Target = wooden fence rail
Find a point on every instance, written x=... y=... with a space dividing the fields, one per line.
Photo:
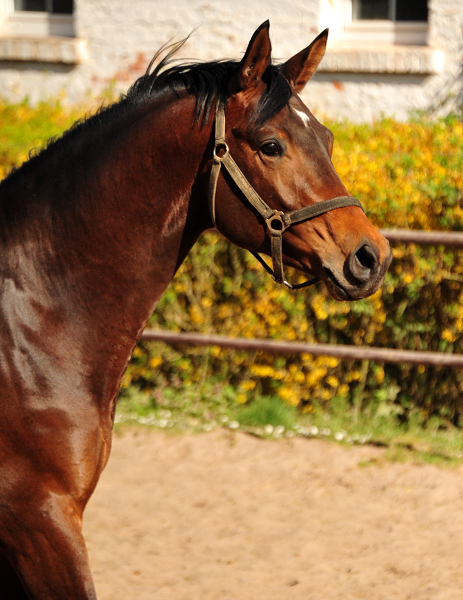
x=386 y=355
x=450 y=239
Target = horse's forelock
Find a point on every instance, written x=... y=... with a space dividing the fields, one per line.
x=275 y=97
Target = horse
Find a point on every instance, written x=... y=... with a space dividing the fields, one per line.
x=93 y=229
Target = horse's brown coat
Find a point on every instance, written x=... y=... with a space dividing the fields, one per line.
x=88 y=243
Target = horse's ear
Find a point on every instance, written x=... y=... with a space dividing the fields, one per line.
x=255 y=61
x=300 y=68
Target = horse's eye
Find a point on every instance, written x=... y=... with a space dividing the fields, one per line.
x=270 y=149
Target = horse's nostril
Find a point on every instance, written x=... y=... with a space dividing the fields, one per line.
x=363 y=262
x=366 y=257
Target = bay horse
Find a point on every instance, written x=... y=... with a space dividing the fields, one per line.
x=92 y=230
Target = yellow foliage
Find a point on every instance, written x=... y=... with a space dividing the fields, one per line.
x=406 y=175
x=290 y=395
x=155 y=361
x=247 y=385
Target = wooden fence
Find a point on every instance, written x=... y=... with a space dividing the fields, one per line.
x=386 y=355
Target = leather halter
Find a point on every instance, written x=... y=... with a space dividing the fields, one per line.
x=276 y=220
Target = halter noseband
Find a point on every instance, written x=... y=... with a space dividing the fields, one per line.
x=276 y=220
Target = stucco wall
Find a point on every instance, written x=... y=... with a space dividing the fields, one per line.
x=367 y=96
x=121 y=37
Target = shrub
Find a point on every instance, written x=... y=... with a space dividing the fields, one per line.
x=24 y=128
x=406 y=175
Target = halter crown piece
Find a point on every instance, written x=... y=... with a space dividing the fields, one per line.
x=276 y=220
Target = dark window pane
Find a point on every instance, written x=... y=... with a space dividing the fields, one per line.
x=412 y=10
x=37 y=5
x=62 y=6
x=370 y=9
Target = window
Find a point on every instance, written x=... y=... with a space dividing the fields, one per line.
x=60 y=7
x=40 y=31
x=393 y=10
x=37 y=18
x=379 y=36
x=402 y=22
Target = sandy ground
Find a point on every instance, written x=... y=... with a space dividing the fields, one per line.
x=222 y=516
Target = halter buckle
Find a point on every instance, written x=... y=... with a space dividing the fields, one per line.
x=275 y=222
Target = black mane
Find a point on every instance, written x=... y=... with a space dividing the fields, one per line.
x=207 y=81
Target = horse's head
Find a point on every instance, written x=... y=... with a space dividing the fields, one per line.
x=285 y=155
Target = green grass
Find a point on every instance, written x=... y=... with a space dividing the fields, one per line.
x=266 y=410
x=196 y=409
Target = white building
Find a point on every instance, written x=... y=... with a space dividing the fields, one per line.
x=386 y=57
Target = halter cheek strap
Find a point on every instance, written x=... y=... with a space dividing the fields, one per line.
x=276 y=220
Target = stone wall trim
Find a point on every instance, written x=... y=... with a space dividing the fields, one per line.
x=406 y=60
x=53 y=49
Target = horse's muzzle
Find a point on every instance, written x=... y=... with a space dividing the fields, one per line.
x=362 y=273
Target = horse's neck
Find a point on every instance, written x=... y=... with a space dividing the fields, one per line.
x=142 y=209
x=141 y=205
x=103 y=254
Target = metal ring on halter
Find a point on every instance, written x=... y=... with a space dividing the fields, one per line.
x=278 y=217
x=223 y=145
